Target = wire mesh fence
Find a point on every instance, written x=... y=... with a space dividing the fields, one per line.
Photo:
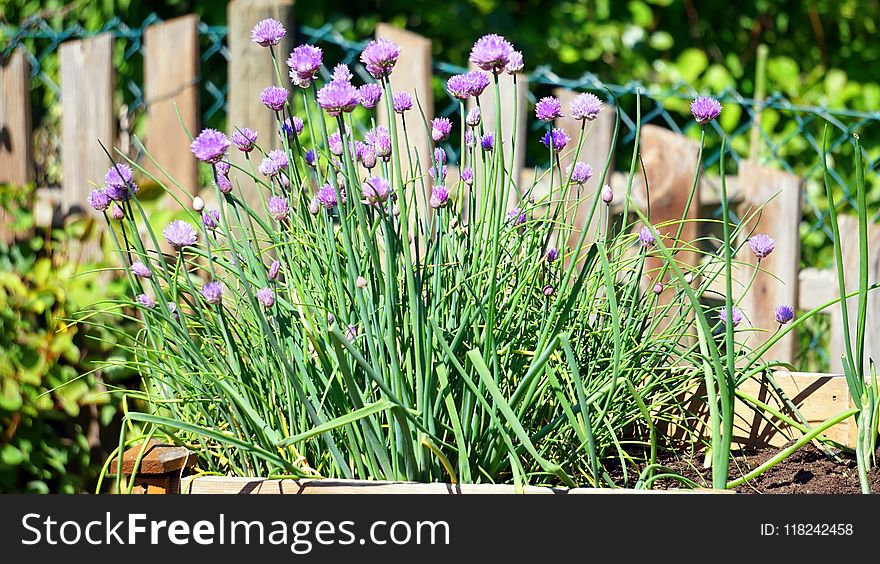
x=773 y=130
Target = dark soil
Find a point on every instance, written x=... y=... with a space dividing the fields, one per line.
x=807 y=471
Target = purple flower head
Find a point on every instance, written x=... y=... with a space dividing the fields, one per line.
x=547 y=290
x=274 y=269
x=119 y=185
x=736 y=316
x=402 y=102
x=473 y=117
x=361 y=282
x=607 y=194
x=245 y=139
x=274 y=163
x=463 y=86
x=491 y=53
x=444 y=170
x=210 y=146
x=141 y=270
x=658 y=288
x=172 y=308
x=341 y=72
x=267 y=32
x=180 y=234
x=579 y=172
x=327 y=197
x=146 y=301
x=783 y=314
x=375 y=190
x=439 y=197
x=762 y=245
x=279 y=209
x=369 y=95
x=314 y=206
x=379 y=57
x=556 y=139
x=441 y=127
x=351 y=332
x=467 y=176
x=266 y=297
x=514 y=63
x=585 y=107
x=223 y=183
x=304 y=63
x=99 y=199
x=705 y=109
x=116 y=212
x=338 y=96
x=310 y=157
x=380 y=140
x=552 y=254
x=517 y=216
x=222 y=168
x=367 y=156
x=291 y=128
x=439 y=155
x=646 y=236
x=213 y=292
x=274 y=98
x=487 y=142
x=211 y=219
x=334 y=143
x=470 y=139
x=548 y=109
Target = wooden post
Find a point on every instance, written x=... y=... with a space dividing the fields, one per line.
x=250 y=71
x=88 y=116
x=160 y=469
x=171 y=74
x=776 y=283
x=16 y=153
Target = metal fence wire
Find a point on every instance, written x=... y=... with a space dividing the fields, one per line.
x=787 y=135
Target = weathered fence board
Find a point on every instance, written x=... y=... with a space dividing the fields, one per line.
x=250 y=71
x=775 y=282
x=171 y=74
x=87 y=86
x=16 y=154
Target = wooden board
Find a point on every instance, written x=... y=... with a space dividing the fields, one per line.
x=158 y=458
x=171 y=75
x=16 y=152
x=776 y=282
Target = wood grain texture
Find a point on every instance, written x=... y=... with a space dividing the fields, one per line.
x=158 y=458
x=250 y=71
x=16 y=148
x=776 y=281
x=171 y=75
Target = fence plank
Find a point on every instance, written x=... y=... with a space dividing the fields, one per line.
x=776 y=283
x=849 y=246
x=250 y=71
x=171 y=73
x=16 y=152
x=87 y=84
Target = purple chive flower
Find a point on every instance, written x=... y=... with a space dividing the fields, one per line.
x=368 y=157
x=222 y=168
x=274 y=98
x=274 y=163
x=210 y=146
x=310 y=157
x=548 y=109
x=783 y=314
x=266 y=297
x=291 y=127
x=441 y=127
x=172 y=308
x=327 y=197
x=547 y=290
x=705 y=109
x=556 y=139
x=141 y=270
x=552 y=254
x=279 y=209
x=473 y=117
x=658 y=288
x=439 y=155
x=491 y=53
x=467 y=176
x=360 y=282
x=470 y=139
x=646 y=236
x=341 y=72
x=338 y=96
x=314 y=206
x=762 y=245
x=267 y=32
x=146 y=301
x=99 y=199
x=379 y=57
x=223 y=183
x=116 y=212
x=180 y=234
x=245 y=139
x=274 y=269
x=402 y=102
x=439 y=197
x=517 y=216
x=369 y=95
x=375 y=190
x=514 y=63
x=607 y=194
x=444 y=170
x=380 y=141
x=487 y=142
x=118 y=183
x=304 y=63
x=334 y=143
x=579 y=172
x=585 y=107
x=351 y=332
x=736 y=316
x=211 y=219
x=213 y=292
x=463 y=86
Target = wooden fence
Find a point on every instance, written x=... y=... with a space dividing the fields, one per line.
x=171 y=78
